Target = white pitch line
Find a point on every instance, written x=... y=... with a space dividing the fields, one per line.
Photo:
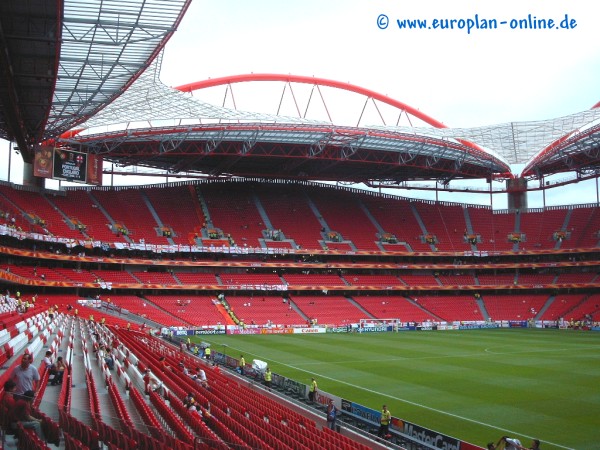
x=409 y=401
x=421 y=405
x=488 y=350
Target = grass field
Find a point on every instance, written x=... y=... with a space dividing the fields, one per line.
x=476 y=385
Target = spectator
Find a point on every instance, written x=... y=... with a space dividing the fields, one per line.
x=47 y=361
x=200 y=377
x=110 y=361
x=8 y=400
x=183 y=369
x=384 y=422
x=25 y=376
x=189 y=400
x=59 y=371
x=163 y=364
x=332 y=412
x=101 y=350
x=151 y=383
x=23 y=414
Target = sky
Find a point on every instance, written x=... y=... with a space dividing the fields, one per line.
x=461 y=77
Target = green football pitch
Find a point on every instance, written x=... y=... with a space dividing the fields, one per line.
x=475 y=385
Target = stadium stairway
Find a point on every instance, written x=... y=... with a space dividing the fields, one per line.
x=157 y=306
x=373 y=220
x=564 y=227
x=482 y=308
x=517 y=229
x=418 y=305
x=101 y=208
x=415 y=212
x=545 y=307
x=52 y=393
x=154 y=214
x=109 y=413
x=201 y=206
x=80 y=391
x=316 y=212
x=261 y=211
x=297 y=309
x=469 y=226
x=360 y=307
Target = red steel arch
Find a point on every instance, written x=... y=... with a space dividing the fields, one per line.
x=310 y=80
x=212 y=82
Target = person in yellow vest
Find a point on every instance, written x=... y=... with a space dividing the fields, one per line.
x=268 y=378
x=207 y=353
x=312 y=390
x=241 y=365
x=103 y=320
x=91 y=318
x=76 y=312
x=384 y=422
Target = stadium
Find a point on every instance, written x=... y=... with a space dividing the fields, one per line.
x=264 y=228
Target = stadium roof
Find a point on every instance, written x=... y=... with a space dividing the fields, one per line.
x=432 y=152
x=82 y=64
x=63 y=61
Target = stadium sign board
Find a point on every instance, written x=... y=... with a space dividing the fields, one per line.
x=70 y=166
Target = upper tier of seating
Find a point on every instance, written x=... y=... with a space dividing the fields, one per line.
x=303 y=214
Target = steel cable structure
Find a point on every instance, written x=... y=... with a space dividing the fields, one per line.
x=86 y=76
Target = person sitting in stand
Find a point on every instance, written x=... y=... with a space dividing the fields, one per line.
x=47 y=361
x=110 y=361
x=8 y=401
x=200 y=377
x=189 y=400
x=59 y=371
x=163 y=364
x=23 y=414
x=151 y=383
